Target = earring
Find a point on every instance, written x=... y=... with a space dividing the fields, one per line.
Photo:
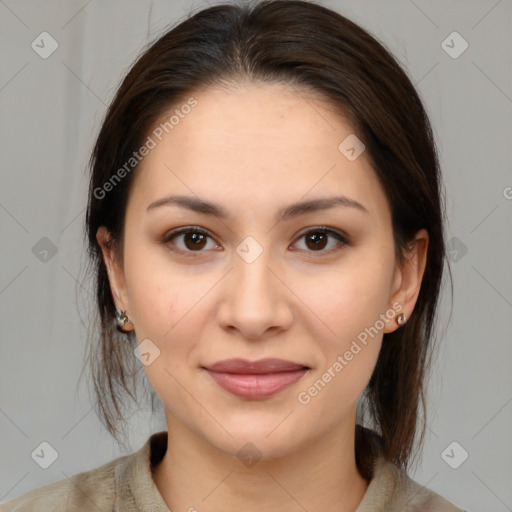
x=121 y=318
x=401 y=319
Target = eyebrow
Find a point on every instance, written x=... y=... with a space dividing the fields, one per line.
x=293 y=210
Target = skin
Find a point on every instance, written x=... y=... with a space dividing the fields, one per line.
x=254 y=150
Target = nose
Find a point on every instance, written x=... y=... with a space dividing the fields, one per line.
x=255 y=298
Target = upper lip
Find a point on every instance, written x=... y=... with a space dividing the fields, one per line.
x=241 y=366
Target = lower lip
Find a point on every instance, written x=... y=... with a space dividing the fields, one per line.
x=255 y=386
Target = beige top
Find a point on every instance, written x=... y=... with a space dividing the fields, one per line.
x=126 y=485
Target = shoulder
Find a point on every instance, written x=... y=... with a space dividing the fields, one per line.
x=390 y=488
x=123 y=484
x=407 y=495
x=93 y=490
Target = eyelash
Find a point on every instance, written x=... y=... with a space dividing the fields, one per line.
x=325 y=230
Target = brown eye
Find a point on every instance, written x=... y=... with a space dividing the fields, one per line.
x=196 y=240
x=316 y=240
x=189 y=240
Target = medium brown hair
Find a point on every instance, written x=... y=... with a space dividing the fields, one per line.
x=313 y=48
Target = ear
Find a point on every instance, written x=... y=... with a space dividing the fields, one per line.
x=408 y=276
x=114 y=269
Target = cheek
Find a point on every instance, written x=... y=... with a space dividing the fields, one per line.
x=162 y=294
x=349 y=297
x=168 y=311
x=161 y=304
x=335 y=390
x=349 y=301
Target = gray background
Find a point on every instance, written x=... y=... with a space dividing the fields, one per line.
x=50 y=113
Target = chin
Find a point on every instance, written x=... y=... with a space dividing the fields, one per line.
x=260 y=436
x=250 y=447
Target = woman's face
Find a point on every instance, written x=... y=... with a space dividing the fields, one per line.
x=264 y=281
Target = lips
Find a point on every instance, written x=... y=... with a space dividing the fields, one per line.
x=255 y=379
x=263 y=366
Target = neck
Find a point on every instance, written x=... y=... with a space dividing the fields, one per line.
x=322 y=476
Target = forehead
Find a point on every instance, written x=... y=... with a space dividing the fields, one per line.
x=258 y=116
x=263 y=142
